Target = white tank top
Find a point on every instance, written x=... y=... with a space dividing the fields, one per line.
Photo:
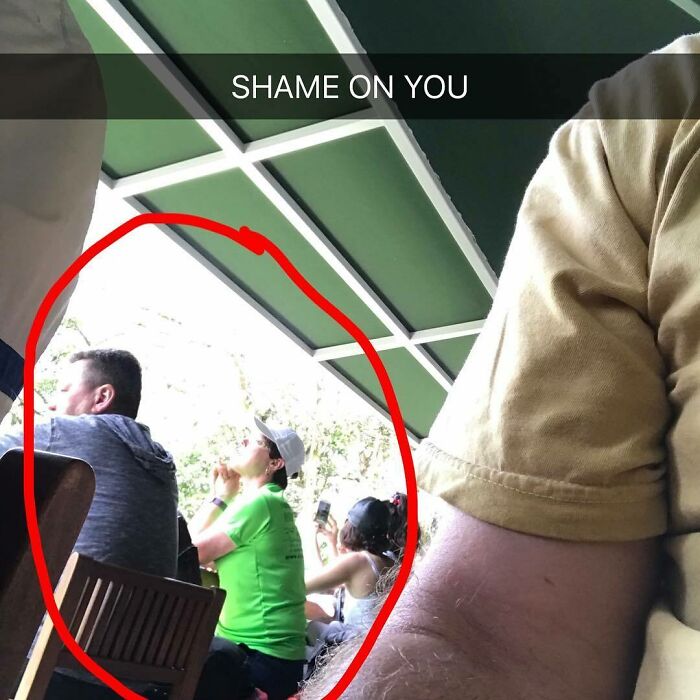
x=360 y=612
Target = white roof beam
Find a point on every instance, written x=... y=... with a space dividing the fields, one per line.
x=429 y=335
x=311 y=135
x=338 y=352
x=455 y=330
x=176 y=173
x=299 y=219
x=254 y=152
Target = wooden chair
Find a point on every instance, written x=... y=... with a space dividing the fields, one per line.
x=136 y=626
x=63 y=492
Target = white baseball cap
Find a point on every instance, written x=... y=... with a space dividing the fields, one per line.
x=289 y=444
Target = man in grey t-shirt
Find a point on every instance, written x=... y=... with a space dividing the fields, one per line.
x=132 y=521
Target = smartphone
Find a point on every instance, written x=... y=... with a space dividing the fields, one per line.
x=322 y=512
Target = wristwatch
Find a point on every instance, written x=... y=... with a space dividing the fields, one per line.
x=219 y=503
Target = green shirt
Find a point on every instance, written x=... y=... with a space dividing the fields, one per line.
x=263 y=576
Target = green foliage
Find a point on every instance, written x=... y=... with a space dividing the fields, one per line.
x=193 y=482
x=69 y=338
x=194 y=468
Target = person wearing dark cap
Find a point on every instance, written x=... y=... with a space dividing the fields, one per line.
x=371 y=541
x=257 y=550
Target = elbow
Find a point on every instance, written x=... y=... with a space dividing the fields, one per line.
x=204 y=550
x=213 y=546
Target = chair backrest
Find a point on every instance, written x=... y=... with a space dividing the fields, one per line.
x=64 y=488
x=137 y=626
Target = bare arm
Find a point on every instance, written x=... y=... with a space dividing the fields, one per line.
x=339 y=571
x=329 y=532
x=495 y=615
x=313 y=611
x=317 y=548
x=225 y=484
x=204 y=518
x=212 y=544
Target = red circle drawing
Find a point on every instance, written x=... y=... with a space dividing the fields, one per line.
x=257 y=244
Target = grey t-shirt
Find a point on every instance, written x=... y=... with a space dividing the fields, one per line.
x=132 y=521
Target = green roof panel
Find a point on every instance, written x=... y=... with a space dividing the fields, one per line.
x=234 y=26
x=452 y=353
x=505 y=26
x=366 y=199
x=232 y=199
x=134 y=146
x=486 y=165
x=419 y=396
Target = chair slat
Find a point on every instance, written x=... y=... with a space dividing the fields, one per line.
x=185 y=686
x=159 y=600
x=174 y=651
x=189 y=636
x=155 y=643
x=169 y=633
x=104 y=615
x=77 y=617
x=116 y=622
x=84 y=633
x=137 y=625
x=117 y=652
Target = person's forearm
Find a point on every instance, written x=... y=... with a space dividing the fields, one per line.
x=207 y=515
x=317 y=547
x=497 y=615
x=332 y=552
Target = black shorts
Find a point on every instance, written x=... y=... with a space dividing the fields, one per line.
x=233 y=671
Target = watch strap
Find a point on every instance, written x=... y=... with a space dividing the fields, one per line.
x=219 y=503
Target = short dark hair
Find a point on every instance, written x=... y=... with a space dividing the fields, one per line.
x=351 y=538
x=118 y=368
x=280 y=475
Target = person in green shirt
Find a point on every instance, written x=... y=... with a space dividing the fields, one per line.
x=248 y=530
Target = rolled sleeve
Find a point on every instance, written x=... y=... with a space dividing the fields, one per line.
x=555 y=426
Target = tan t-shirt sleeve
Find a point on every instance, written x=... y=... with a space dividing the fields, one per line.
x=556 y=424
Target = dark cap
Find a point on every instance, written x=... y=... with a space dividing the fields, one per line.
x=370 y=516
